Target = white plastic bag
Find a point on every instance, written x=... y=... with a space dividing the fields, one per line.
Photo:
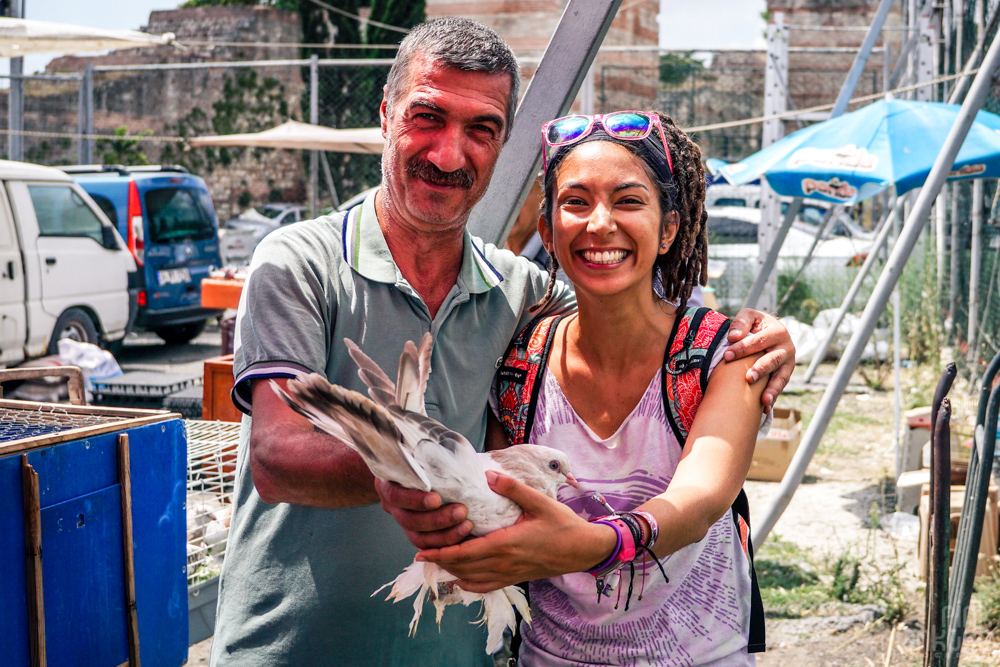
x=96 y=364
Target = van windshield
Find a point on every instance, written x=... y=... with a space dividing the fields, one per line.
x=178 y=213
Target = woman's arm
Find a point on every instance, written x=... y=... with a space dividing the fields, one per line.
x=550 y=539
x=716 y=459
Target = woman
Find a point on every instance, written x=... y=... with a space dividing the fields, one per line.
x=624 y=218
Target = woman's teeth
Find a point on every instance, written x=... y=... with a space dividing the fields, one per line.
x=604 y=256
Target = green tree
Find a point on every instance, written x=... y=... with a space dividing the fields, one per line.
x=124 y=149
x=676 y=68
x=249 y=103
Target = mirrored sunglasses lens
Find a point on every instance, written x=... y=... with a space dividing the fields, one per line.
x=566 y=129
x=626 y=125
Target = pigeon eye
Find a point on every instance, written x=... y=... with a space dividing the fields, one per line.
x=553 y=465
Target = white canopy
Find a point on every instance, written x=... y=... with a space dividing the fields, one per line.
x=294 y=134
x=21 y=37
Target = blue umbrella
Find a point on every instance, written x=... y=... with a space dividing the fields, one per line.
x=855 y=156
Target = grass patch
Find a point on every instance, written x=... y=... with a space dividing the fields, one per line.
x=988 y=592
x=789 y=587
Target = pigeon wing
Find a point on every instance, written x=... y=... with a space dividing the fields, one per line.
x=380 y=387
x=369 y=428
x=414 y=369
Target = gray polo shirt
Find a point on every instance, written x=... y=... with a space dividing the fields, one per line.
x=297 y=580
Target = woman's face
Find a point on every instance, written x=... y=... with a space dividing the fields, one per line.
x=607 y=228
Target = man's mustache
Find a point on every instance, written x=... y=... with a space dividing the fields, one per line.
x=461 y=178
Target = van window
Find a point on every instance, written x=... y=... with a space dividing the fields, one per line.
x=178 y=213
x=724 y=231
x=60 y=211
x=730 y=201
x=109 y=208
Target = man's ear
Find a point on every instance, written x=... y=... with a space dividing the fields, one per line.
x=383 y=118
x=669 y=232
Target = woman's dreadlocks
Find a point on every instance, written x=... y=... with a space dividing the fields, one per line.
x=685 y=264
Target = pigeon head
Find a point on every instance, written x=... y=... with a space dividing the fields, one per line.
x=541 y=467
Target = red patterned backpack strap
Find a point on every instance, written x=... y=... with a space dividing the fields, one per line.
x=518 y=372
x=696 y=336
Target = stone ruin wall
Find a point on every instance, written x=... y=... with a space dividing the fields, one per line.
x=157 y=100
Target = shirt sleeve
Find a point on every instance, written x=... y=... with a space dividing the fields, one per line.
x=286 y=309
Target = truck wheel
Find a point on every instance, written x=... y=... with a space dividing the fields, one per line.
x=75 y=325
x=179 y=334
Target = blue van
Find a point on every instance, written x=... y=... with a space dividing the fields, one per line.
x=168 y=220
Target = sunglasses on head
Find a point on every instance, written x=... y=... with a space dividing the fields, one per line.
x=626 y=125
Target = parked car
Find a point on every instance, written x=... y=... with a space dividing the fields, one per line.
x=240 y=236
x=167 y=217
x=64 y=269
x=812 y=213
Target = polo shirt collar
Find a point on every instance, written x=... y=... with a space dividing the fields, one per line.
x=366 y=251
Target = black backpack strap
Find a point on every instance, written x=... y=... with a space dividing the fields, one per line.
x=741 y=515
x=686 y=367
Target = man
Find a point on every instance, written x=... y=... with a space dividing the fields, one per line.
x=308 y=545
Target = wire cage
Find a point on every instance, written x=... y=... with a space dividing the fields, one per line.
x=210 y=480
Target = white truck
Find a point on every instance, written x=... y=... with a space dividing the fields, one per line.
x=64 y=269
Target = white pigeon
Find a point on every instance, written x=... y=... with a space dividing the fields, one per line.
x=400 y=443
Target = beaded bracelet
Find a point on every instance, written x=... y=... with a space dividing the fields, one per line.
x=654 y=528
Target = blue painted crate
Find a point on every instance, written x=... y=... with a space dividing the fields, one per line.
x=82 y=563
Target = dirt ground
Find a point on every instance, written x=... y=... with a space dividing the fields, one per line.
x=830 y=515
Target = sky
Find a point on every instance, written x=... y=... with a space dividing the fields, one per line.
x=684 y=24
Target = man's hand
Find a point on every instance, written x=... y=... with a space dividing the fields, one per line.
x=426 y=523
x=752 y=331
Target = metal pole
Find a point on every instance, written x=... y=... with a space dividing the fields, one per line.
x=820 y=233
x=970 y=528
x=87 y=89
x=954 y=252
x=775 y=102
x=880 y=240
x=15 y=99
x=768 y=260
x=553 y=88
x=880 y=296
x=772 y=254
x=897 y=389
x=939 y=542
x=977 y=52
x=940 y=236
x=314 y=119
x=977 y=239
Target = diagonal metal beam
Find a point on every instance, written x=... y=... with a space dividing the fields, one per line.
x=915 y=223
x=550 y=94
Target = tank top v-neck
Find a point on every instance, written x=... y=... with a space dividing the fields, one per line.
x=701 y=617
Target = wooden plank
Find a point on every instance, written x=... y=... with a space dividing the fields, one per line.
x=33 y=543
x=80 y=409
x=77 y=394
x=28 y=444
x=125 y=481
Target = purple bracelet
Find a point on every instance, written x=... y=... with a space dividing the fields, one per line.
x=614 y=554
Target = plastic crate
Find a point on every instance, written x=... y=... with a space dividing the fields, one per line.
x=141 y=389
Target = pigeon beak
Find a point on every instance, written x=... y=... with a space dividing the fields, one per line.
x=572 y=481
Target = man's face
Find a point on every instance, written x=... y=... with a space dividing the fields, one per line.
x=442 y=142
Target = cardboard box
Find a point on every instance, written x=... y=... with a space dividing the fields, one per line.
x=987 y=560
x=773 y=454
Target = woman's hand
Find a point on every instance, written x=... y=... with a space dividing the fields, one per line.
x=751 y=332
x=548 y=540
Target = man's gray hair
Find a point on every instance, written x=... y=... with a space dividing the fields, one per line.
x=462 y=44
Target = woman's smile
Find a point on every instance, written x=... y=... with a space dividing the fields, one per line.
x=603 y=257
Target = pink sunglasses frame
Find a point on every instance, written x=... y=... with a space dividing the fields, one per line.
x=599 y=118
